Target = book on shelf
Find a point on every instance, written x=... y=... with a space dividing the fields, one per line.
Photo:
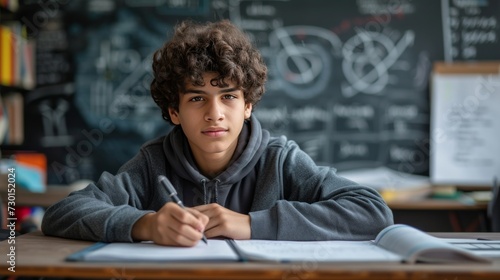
x=11 y=118
x=17 y=56
x=391 y=184
x=396 y=243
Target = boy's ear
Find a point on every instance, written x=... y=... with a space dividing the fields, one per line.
x=174 y=116
x=248 y=110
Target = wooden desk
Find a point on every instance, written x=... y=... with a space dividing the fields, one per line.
x=38 y=255
x=442 y=215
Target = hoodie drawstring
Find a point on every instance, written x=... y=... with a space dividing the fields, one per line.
x=215 y=191
x=204 y=182
x=217 y=181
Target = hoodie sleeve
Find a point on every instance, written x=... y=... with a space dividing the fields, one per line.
x=317 y=204
x=104 y=211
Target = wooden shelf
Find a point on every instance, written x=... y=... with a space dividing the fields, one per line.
x=435 y=204
x=6 y=89
x=7 y=15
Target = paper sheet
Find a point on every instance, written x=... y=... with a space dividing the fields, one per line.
x=465 y=129
x=322 y=251
x=215 y=250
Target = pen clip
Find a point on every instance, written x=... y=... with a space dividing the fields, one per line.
x=170 y=188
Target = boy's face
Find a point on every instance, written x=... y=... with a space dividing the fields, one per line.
x=211 y=118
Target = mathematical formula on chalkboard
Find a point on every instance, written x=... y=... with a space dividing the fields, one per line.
x=348 y=80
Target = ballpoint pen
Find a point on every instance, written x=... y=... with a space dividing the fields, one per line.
x=172 y=193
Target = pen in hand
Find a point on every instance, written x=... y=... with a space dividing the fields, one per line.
x=172 y=193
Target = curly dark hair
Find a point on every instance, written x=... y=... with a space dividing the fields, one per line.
x=197 y=48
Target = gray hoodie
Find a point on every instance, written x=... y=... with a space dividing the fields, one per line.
x=287 y=196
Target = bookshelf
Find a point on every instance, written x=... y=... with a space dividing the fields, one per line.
x=17 y=79
x=17 y=73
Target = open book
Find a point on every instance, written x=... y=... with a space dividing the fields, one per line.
x=396 y=243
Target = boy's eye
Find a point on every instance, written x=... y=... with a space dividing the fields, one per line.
x=197 y=98
x=229 y=96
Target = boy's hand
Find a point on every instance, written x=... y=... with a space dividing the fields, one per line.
x=171 y=225
x=224 y=222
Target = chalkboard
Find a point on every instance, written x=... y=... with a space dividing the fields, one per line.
x=471 y=30
x=348 y=80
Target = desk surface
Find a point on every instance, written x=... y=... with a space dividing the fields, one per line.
x=38 y=255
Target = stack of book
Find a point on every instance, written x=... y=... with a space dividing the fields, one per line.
x=391 y=184
x=17 y=55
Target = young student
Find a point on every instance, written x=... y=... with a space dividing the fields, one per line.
x=235 y=180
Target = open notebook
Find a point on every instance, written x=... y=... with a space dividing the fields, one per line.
x=396 y=243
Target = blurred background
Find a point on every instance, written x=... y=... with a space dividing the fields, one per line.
x=349 y=81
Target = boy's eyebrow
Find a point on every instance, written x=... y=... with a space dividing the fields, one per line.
x=228 y=90
x=197 y=91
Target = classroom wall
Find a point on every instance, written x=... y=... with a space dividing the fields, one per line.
x=348 y=80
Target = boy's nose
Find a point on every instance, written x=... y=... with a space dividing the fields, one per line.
x=214 y=111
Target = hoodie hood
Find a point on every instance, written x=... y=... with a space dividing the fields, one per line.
x=252 y=143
